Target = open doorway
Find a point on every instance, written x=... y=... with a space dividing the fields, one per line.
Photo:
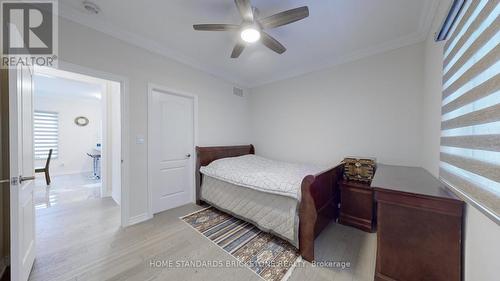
x=77 y=138
x=77 y=158
x=61 y=222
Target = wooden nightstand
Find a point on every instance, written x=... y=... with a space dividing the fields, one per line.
x=357 y=208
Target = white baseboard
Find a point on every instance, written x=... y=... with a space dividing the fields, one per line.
x=138 y=219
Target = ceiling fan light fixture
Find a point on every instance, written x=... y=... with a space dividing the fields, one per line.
x=253 y=28
x=250 y=35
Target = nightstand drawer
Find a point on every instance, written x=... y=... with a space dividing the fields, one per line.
x=357 y=205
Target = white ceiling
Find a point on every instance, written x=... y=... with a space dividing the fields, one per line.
x=63 y=88
x=336 y=31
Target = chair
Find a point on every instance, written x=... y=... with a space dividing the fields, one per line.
x=46 y=168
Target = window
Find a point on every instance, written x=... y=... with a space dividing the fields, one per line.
x=470 y=125
x=46 y=134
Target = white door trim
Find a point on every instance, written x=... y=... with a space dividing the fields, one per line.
x=125 y=117
x=152 y=87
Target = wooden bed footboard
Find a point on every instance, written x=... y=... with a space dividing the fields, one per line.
x=319 y=200
x=318 y=206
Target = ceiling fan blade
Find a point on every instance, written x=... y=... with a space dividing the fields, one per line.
x=245 y=9
x=237 y=50
x=216 y=27
x=272 y=43
x=285 y=17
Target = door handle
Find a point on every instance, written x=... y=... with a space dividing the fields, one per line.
x=188 y=155
x=5 y=181
x=21 y=178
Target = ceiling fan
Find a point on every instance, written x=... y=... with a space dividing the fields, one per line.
x=252 y=28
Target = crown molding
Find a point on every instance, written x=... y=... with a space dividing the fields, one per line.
x=90 y=21
x=425 y=23
x=424 y=27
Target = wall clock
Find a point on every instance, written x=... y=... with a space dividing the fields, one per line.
x=81 y=121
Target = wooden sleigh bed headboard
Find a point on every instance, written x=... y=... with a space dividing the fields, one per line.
x=320 y=194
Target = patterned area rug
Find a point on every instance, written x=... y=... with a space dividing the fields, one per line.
x=268 y=256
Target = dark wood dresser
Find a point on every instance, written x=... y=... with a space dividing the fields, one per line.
x=357 y=208
x=419 y=226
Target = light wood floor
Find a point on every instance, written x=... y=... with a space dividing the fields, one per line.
x=84 y=241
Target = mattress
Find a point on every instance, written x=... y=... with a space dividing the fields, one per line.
x=261 y=174
x=272 y=213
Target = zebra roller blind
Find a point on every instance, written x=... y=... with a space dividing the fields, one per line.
x=470 y=122
x=46 y=134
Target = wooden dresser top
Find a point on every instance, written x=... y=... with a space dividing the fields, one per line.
x=413 y=180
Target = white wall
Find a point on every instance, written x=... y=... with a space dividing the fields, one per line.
x=431 y=122
x=482 y=235
x=223 y=117
x=74 y=141
x=370 y=107
x=115 y=143
x=111 y=141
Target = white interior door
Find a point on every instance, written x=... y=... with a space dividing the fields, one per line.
x=171 y=146
x=22 y=170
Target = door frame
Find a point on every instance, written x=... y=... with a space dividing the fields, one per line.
x=125 y=131
x=152 y=87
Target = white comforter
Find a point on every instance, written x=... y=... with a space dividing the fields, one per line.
x=261 y=174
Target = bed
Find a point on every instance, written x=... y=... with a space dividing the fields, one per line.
x=297 y=216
